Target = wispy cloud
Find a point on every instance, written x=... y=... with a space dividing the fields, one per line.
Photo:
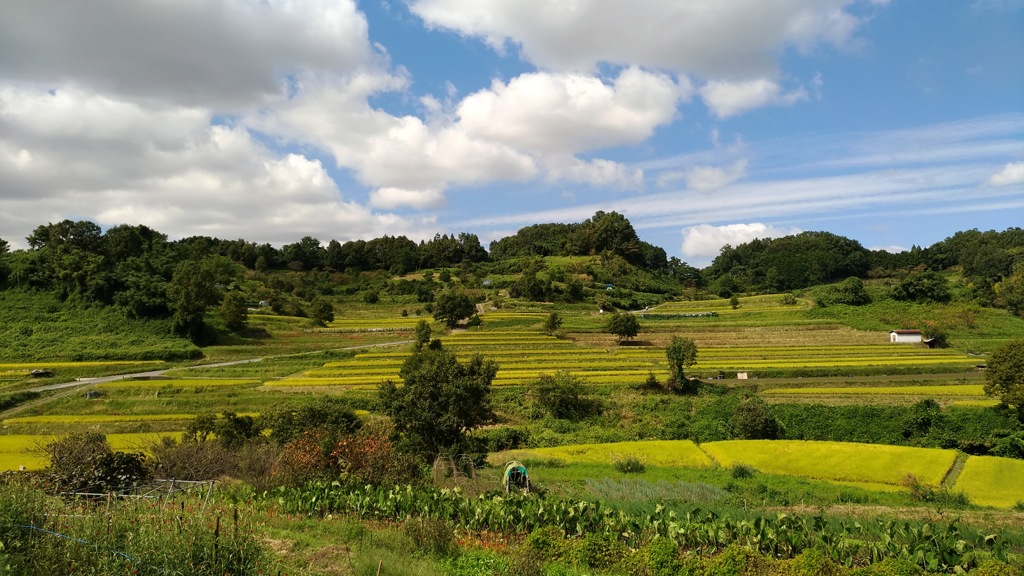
x=849 y=176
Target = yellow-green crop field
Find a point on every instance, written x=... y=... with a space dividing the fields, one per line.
x=651 y=452
x=952 y=390
x=25 y=450
x=992 y=481
x=976 y=403
x=176 y=383
x=103 y=418
x=836 y=460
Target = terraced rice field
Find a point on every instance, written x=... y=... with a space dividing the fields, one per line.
x=992 y=481
x=373 y=324
x=524 y=356
x=652 y=453
x=841 y=461
x=952 y=390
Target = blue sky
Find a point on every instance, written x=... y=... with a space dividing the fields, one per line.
x=705 y=122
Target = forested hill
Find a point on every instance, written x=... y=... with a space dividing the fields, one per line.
x=991 y=264
x=142 y=273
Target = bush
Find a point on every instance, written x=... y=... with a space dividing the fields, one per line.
x=431 y=536
x=941 y=496
x=189 y=460
x=504 y=438
x=753 y=419
x=742 y=471
x=85 y=463
x=369 y=457
x=630 y=464
x=305 y=459
x=333 y=416
x=562 y=396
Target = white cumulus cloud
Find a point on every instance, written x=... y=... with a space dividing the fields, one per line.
x=1012 y=173
x=724 y=38
x=79 y=154
x=220 y=53
x=568 y=113
x=726 y=98
x=703 y=242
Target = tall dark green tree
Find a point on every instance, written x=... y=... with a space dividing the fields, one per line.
x=321 y=311
x=552 y=323
x=681 y=354
x=233 y=310
x=192 y=290
x=4 y=266
x=439 y=401
x=1004 y=375
x=422 y=333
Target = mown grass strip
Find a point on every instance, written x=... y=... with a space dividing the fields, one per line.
x=176 y=383
x=843 y=461
x=992 y=481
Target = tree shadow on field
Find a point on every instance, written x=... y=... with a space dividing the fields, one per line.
x=635 y=343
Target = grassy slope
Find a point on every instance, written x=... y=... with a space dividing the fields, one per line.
x=36 y=326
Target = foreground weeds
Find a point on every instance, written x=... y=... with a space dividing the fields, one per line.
x=42 y=534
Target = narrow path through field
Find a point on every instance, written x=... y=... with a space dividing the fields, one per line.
x=949 y=481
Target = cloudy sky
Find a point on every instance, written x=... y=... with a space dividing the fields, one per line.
x=705 y=122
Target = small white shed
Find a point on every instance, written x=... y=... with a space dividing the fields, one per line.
x=905 y=337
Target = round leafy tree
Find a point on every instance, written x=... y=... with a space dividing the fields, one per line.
x=623 y=325
x=440 y=400
x=452 y=306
